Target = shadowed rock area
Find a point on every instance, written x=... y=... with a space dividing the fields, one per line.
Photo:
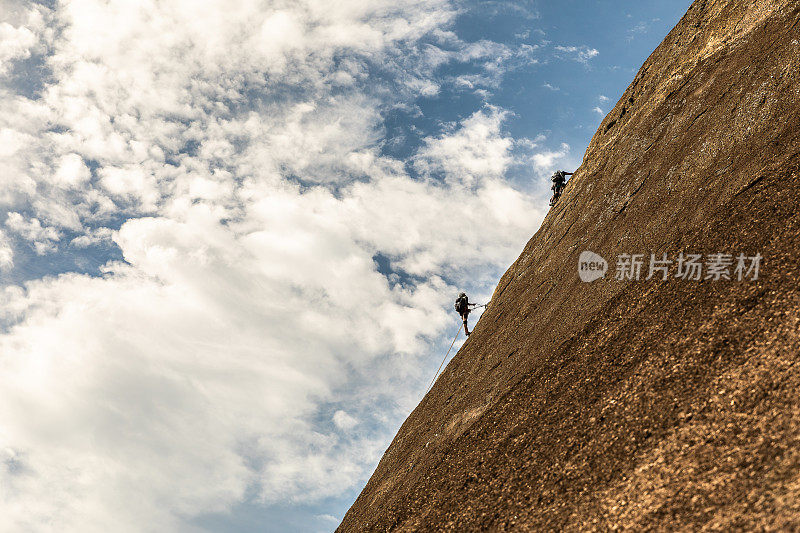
x=638 y=405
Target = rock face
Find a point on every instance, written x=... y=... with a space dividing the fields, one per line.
x=643 y=404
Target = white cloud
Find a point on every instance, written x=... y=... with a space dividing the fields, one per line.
x=93 y=237
x=23 y=32
x=641 y=28
x=491 y=60
x=344 y=421
x=603 y=98
x=598 y=110
x=545 y=161
x=43 y=238
x=330 y=519
x=582 y=53
x=6 y=252
x=72 y=171
x=235 y=158
x=476 y=150
x=15 y=44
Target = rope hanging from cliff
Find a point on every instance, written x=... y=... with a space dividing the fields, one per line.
x=458 y=332
x=443 y=360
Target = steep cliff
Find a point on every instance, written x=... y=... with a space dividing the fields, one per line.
x=644 y=404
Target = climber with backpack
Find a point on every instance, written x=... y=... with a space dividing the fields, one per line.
x=559 y=182
x=463 y=308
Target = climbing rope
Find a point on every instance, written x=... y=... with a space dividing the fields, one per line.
x=450 y=348
x=443 y=360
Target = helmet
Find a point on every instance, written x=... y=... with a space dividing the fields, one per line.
x=462 y=295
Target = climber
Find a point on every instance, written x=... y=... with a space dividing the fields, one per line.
x=559 y=179
x=463 y=307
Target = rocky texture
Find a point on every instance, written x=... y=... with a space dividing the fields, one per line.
x=639 y=404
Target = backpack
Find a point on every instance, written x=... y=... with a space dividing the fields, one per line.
x=461 y=304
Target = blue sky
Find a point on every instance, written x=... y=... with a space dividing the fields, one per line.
x=230 y=237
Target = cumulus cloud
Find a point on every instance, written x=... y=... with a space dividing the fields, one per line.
x=474 y=151
x=237 y=342
x=544 y=161
x=15 y=44
x=31 y=230
x=71 y=171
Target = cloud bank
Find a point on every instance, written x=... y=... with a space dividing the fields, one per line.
x=246 y=284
